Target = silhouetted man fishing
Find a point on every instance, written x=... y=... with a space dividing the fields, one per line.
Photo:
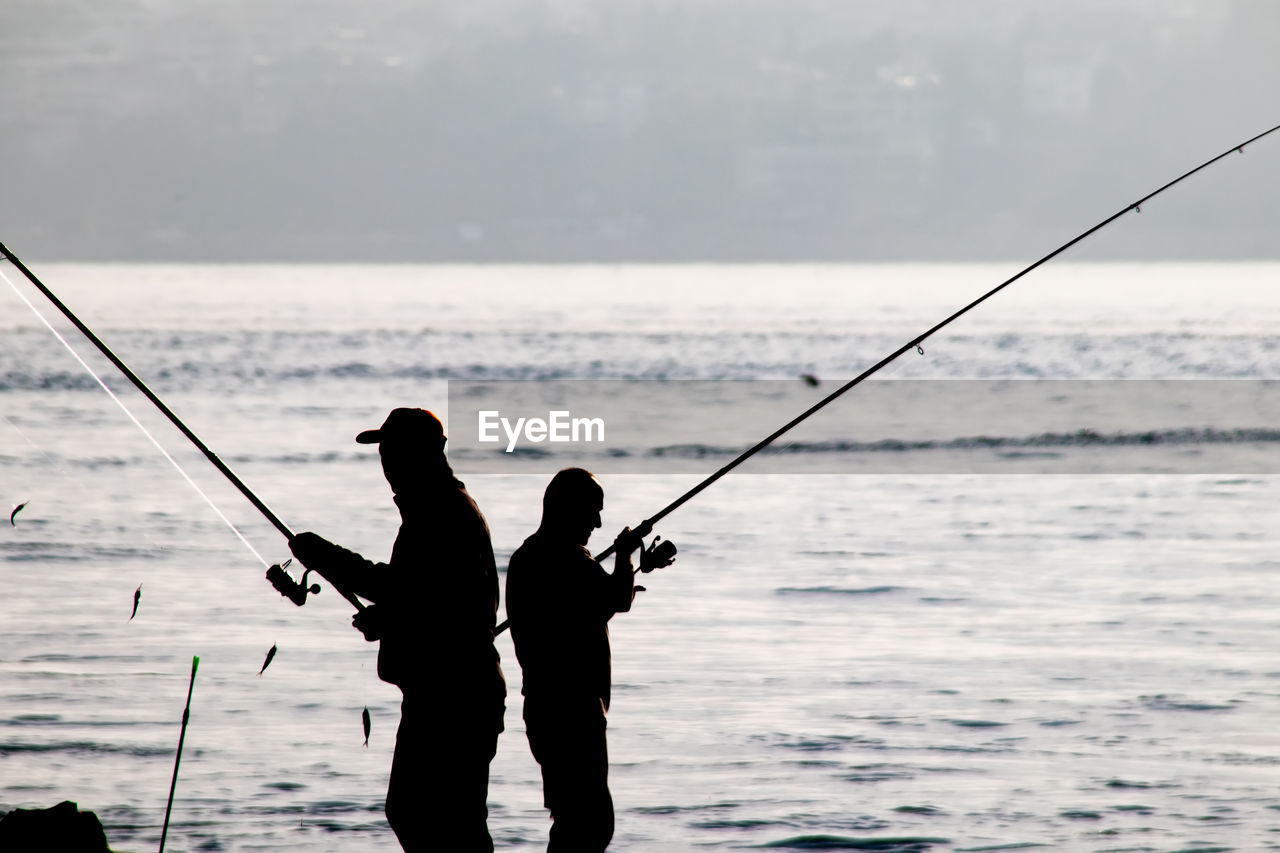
x=560 y=602
x=434 y=609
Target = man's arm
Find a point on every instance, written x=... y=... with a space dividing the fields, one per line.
x=346 y=570
x=622 y=583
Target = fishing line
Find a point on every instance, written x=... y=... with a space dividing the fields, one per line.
x=37 y=448
x=131 y=417
x=209 y=454
x=917 y=343
x=297 y=592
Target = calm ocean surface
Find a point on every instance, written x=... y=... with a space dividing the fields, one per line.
x=983 y=660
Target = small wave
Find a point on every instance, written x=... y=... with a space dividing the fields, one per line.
x=1139 y=786
x=1009 y=445
x=229 y=375
x=877 y=773
x=746 y=823
x=85 y=746
x=328 y=807
x=974 y=750
x=1029 y=454
x=838 y=842
x=669 y=810
x=812 y=762
x=62 y=657
x=337 y=826
x=835 y=590
x=18 y=552
x=1136 y=809
x=327 y=457
x=1242 y=759
x=56 y=720
x=61 y=380
x=829 y=742
x=1160 y=702
x=530 y=452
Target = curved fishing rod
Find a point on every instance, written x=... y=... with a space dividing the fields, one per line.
x=297 y=593
x=646 y=527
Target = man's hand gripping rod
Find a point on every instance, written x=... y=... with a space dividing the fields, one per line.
x=660 y=554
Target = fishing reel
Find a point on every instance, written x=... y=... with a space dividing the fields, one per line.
x=660 y=554
x=295 y=591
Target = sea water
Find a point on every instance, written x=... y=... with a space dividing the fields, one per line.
x=957 y=650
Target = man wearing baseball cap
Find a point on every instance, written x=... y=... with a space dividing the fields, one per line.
x=434 y=607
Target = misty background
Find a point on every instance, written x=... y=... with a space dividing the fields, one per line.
x=634 y=130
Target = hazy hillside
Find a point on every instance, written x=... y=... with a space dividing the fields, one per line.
x=631 y=129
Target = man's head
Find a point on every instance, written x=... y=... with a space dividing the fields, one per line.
x=571 y=505
x=411 y=444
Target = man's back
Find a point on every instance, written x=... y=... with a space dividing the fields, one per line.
x=560 y=602
x=444 y=600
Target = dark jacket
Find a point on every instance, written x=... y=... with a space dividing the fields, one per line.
x=438 y=596
x=560 y=601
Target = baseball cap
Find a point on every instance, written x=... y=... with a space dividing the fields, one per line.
x=404 y=425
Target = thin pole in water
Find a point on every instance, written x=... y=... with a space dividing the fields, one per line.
x=915 y=343
x=186 y=716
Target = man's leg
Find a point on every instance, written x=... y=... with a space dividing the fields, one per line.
x=573 y=754
x=406 y=790
x=437 y=795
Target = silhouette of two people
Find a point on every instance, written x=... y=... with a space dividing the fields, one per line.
x=434 y=607
x=433 y=610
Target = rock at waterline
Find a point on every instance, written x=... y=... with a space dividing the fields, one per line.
x=63 y=828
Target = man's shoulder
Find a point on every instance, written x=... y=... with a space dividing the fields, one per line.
x=539 y=548
x=457 y=494
x=532 y=549
x=451 y=505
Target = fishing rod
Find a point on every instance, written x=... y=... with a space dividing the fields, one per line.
x=646 y=527
x=295 y=591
